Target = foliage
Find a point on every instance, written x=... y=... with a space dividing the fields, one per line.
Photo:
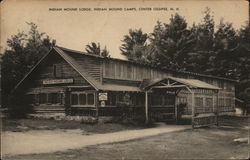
x=134 y=45
x=24 y=51
x=19 y=105
x=94 y=48
x=216 y=50
x=204 y=48
x=172 y=42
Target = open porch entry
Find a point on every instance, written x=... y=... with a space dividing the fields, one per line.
x=195 y=88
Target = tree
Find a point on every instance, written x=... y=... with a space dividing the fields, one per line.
x=226 y=47
x=105 y=52
x=243 y=67
x=94 y=48
x=24 y=51
x=202 y=55
x=133 y=44
x=172 y=42
x=244 y=52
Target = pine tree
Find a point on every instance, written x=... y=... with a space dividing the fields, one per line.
x=133 y=45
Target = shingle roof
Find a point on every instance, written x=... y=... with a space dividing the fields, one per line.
x=146 y=65
x=64 y=53
x=191 y=83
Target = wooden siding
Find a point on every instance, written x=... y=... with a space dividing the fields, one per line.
x=91 y=64
x=46 y=72
x=127 y=71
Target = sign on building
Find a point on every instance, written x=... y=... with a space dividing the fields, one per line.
x=103 y=96
x=102 y=103
x=58 y=81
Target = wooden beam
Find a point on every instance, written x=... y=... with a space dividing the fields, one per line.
x=173 y=83
x=176 y=86
x=146 y=107
x=164 y=84
x=85 y=86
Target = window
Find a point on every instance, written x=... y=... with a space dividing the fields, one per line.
x=47 y=98
x=42 y=98
x=74 y=99
x=82 y=99
x=90 y=99
x=57 y=70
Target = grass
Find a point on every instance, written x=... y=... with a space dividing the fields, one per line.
x=204 y=143
x=22 y=125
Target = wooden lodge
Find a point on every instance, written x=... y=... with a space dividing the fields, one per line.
x=76 y=83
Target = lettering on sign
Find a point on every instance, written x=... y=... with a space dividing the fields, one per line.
x=103 y=96
x=58 y=81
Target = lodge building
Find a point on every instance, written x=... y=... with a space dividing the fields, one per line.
x=76 y=83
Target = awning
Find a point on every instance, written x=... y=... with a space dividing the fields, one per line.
x=114 y=87
x=173 y=82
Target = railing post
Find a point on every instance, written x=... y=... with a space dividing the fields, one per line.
x=146 y=107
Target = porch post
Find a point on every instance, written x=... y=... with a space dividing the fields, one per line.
x=193 y=109
x=192 y=105
x=217 y=107
x=175 y=106
x=96 y=105
x=146 y=107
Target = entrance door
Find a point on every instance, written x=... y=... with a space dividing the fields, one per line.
x=162 y=107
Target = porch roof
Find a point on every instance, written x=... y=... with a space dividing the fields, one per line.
x=115 y=87
x=179 y=82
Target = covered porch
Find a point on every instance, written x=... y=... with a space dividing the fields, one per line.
x=201 y=99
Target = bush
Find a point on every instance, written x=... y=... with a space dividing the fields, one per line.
x=19 y=105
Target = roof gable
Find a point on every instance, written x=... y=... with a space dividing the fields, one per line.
x=71 y=62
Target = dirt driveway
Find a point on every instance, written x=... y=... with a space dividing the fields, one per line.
x=48 y=141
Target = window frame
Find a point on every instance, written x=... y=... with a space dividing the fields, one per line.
x=86 y=96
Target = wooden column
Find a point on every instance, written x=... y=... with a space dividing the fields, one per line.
x=217 y=108
x=146 y=107
x=193 y=109
x=192 y=105
x=96 y=105
x=175 y=106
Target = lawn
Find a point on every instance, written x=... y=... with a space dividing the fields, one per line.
x=203 y=143
x=22 y=125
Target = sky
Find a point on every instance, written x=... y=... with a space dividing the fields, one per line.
x=74 y=29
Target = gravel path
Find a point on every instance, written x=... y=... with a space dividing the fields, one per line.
x=47 y=141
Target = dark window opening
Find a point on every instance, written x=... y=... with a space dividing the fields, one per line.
x=57 y=70
x=82 y=99
x=90 y=98
x=74 y=99
x=42 y=98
